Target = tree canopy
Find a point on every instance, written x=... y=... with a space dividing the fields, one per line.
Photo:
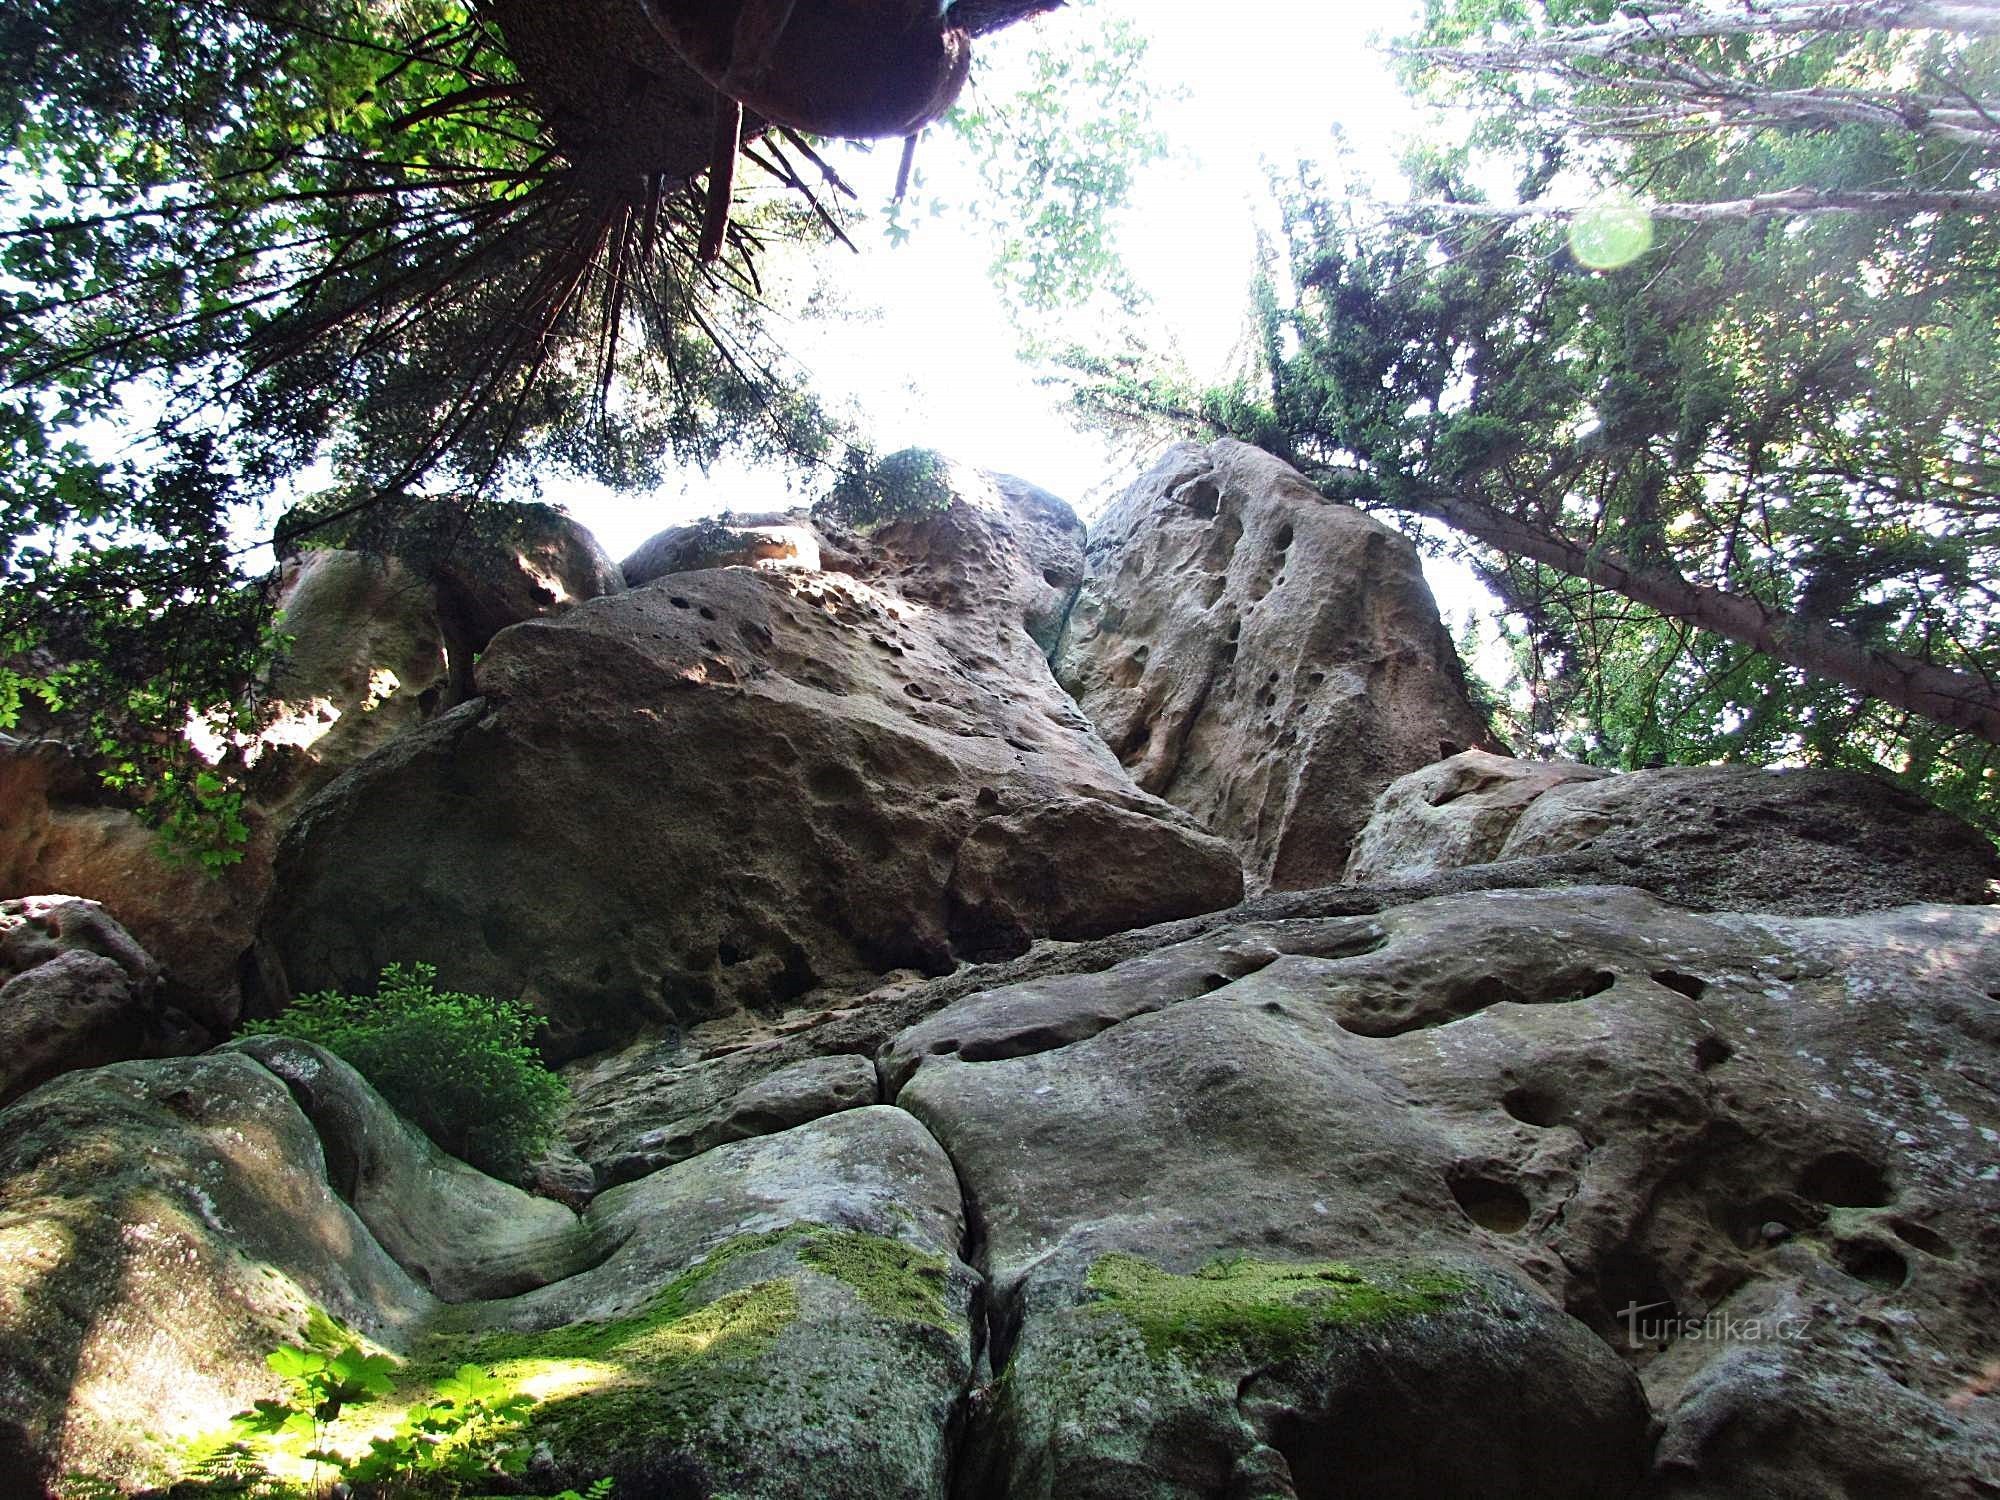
x=1709 y=395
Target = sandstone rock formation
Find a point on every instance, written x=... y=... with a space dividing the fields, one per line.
x=1263 y=658
x=1628 y=1137
x=377 y=647
x=1738 y=838
x=1509 y=1193
x=738 y=784
x=75 y=991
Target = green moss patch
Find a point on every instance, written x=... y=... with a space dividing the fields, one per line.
x=1238 y=1308
x=675 y=1367
x=895 y=1280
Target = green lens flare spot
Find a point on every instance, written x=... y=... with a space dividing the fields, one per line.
x=1609 y=235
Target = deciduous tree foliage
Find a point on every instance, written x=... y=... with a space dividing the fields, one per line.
x=1741 y=483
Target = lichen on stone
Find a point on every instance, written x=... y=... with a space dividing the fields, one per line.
x=1235 y=1307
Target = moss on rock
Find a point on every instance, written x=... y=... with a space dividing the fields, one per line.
x=688 y=1361
x=1236 y=1307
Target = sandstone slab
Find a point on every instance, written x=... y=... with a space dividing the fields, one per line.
x=1752 y=1156
x=1734 y=838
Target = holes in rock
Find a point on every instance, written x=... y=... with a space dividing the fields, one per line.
x=1923 y=1238
x=1684 y=984
x=729 y=955
x=1533 y=1106
x=1200 y=496
x=1560 y=989
x=1057 y=579
x=1633 y=1303
x=1489 y=1202
x=1842 y=1179
x=678 y=602
x=1873 y=1262
x=1210 y=983
x=1283 y=540
x=1712 y=1052
x=706 y=613
x=1767 y=1221
x=1127 y=670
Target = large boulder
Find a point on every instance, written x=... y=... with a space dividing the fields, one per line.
x=738 y=784
x=1261 y=657
x=1528 y=1193
x=163 y=1227
x=1737 y=838
x=75 y=992
x=1451 y=814
x=777 y=539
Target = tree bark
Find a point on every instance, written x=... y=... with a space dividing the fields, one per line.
x=1611 y=38
x=1789 y=201
x=1959 y=699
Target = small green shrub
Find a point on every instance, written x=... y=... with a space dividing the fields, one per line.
x=462 y=1068
x=905 y=486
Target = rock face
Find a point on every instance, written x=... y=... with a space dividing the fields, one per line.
x=788 y=777
x=1521 y=1193
x=1807 y=842
x=785 y=1316
x=1451 y=814
x=1263 y=658
x=75 y=991
x=378 y=646
x=1617 y=1137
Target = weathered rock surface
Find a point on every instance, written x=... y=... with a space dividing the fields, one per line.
x=378 y=646
x=775 y=539
x=1506 y=1193
x=807 y=1090
x=1452 y=813
x=461 y=1234
x=59 y=832
x=1754 y=1156
x=737 y=784
x=75 y=991
x=780 y=1317
x=1263 y=658
x=1803 y=841
x=164 y=1226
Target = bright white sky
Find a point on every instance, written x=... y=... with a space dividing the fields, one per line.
x=937 y=367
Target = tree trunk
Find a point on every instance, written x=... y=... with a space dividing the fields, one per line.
x=1959 y=699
